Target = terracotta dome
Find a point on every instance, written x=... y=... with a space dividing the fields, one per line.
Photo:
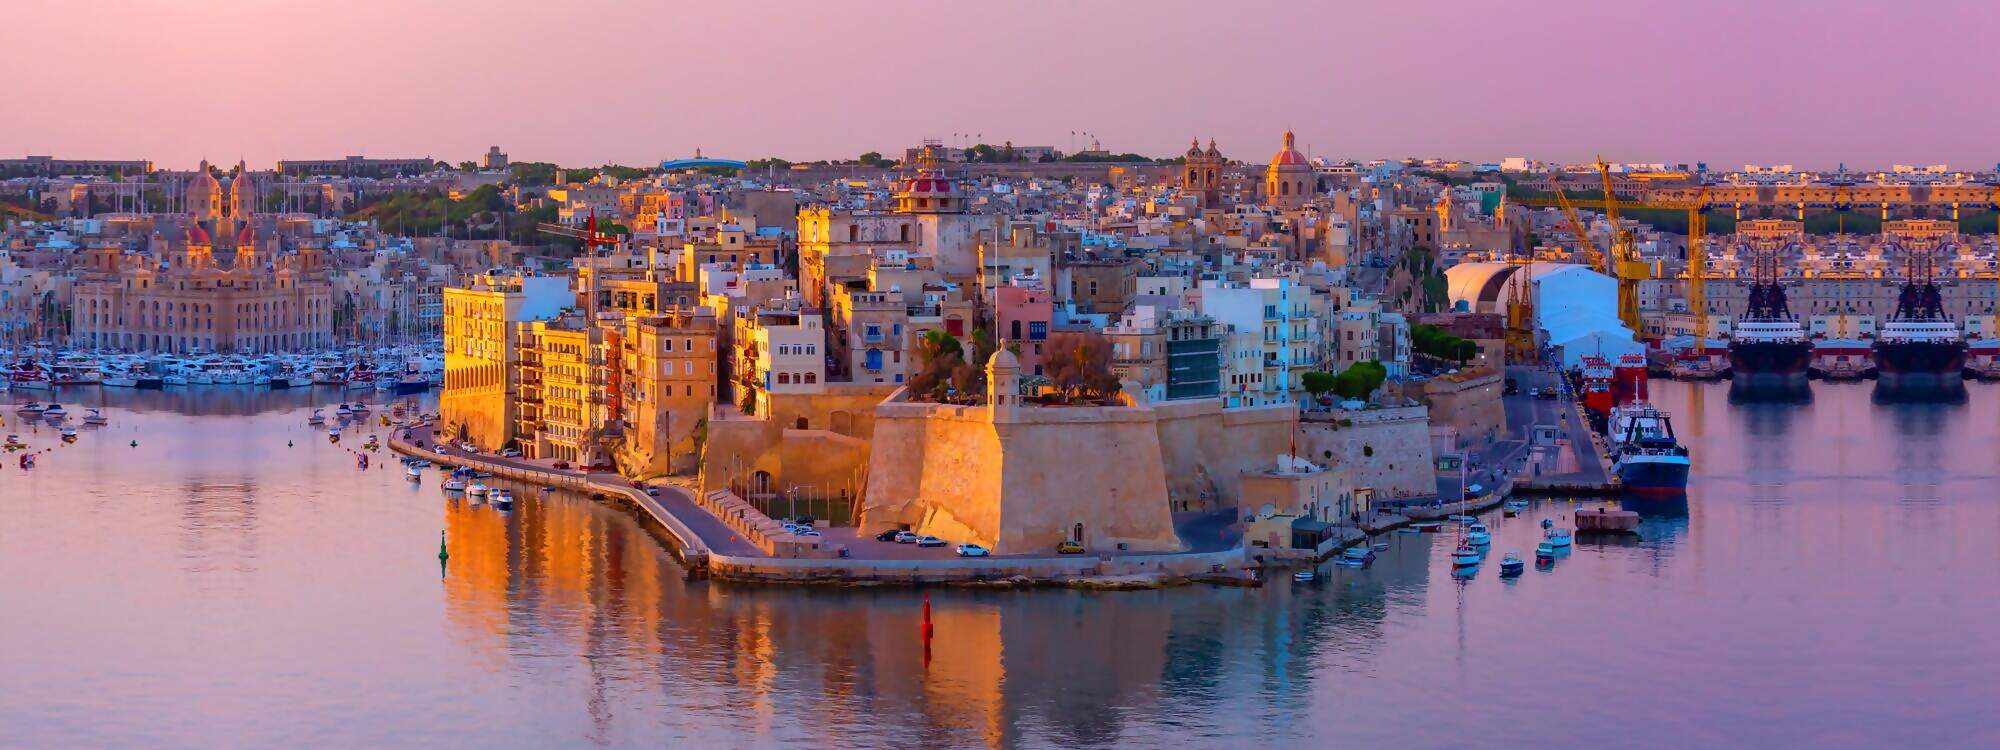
x=197 y=235
x=247 y=236
x=1289 y=154
x=1194 y=149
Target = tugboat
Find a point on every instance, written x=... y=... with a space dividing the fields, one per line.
x=1919 y=345
x=1645 y=455
x=1769 y=349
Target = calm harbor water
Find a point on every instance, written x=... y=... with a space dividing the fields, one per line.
x=1827 y=584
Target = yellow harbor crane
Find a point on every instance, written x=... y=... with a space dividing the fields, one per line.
x=1623 y=262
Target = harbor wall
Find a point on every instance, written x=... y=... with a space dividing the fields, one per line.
x=1388 y=448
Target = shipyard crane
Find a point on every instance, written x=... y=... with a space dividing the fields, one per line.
x=592 y=239
x=1623 y=263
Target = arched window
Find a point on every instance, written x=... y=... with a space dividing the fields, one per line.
x=1284 y=188
x=784 y=378
x=812 y=377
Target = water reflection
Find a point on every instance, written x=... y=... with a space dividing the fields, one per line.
x=214 y=586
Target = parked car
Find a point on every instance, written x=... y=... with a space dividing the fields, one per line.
x=637 y=485
x=905 y=537
x=652 y=492
x=511 y=453
x=889 y=536
x=1069 y=548
x=929 y=541
x=562 y=466
x=973 y=550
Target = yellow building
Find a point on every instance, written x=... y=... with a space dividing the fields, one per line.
x=562 y=404
x=482 y=340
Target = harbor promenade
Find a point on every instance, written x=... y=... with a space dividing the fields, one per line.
x=712 y=546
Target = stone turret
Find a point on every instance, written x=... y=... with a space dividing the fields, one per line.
x=1003 y=385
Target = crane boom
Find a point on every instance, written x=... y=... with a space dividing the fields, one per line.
x=1628 y=269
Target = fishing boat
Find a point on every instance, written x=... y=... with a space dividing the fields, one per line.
x=96 y=416
x=453 y=484
x=476 y=489
x=1465 y=556
x=1559 y=538
x=1478 y=535
x=1428 y=527
x=1511 y=565
x=1545 y=554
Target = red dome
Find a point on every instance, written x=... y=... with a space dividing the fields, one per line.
x=246 y=237
x=197 y=235
x=1288 y=155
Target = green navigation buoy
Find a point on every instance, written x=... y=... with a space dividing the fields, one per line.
x=135 y=443
x=288 y=443
x=442 y=554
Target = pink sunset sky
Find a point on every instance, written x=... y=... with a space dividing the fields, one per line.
x=592 y=81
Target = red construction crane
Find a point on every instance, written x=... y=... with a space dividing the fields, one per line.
x=591 y=238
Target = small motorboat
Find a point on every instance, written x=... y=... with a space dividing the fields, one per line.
x=454 y=484
x=1478 y=535
x=358 y=408
x=1516 y=505
x=1380 y=546
x=69 y=434
x=1304 y=575
x=501 y=499
x=333 y=435
x=1545 y=554
x=343 y=411
x=32 y=407
x=1559 y=538
x=96 y=416
x=317 y=418
x=415 y=474
x=54 y=411
x=1357 y=555
x=1508 y=512
x=1428 y=527
x=1465 y=556
x=1511 y=565
x=476 y=489
x=1462 y=519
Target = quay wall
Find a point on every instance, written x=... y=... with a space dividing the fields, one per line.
x=1053 y=569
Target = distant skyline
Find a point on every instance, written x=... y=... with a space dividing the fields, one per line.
x=1769 y=82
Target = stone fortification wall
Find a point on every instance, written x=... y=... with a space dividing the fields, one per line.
x=825 y=455
x=1388 y=449
x=1469 y=404
x=1206 y=448
x=1022 y=483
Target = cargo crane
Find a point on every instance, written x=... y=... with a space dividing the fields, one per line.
x=1623 y=263
x=591 y=238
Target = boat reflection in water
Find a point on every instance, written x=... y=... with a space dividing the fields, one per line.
x=1751 y=391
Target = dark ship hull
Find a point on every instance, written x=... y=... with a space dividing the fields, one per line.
x=1920 y=364
x=1772 y=364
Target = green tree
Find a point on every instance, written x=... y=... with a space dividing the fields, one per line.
x=1360 y=380
x=872 y=159
x=1317 y=383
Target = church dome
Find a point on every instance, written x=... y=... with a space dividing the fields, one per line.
x=197 y=235
x=1213 y=152
x=1289 y=155
x=1194 y=149
x=246 y=237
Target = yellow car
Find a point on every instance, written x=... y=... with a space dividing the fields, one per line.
x=1069 y=548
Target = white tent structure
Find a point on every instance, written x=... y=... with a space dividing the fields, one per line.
x=1576 y=309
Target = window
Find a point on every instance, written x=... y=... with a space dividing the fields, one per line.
x=812 y=377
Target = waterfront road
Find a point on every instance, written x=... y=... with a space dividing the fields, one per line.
x=677 y=500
